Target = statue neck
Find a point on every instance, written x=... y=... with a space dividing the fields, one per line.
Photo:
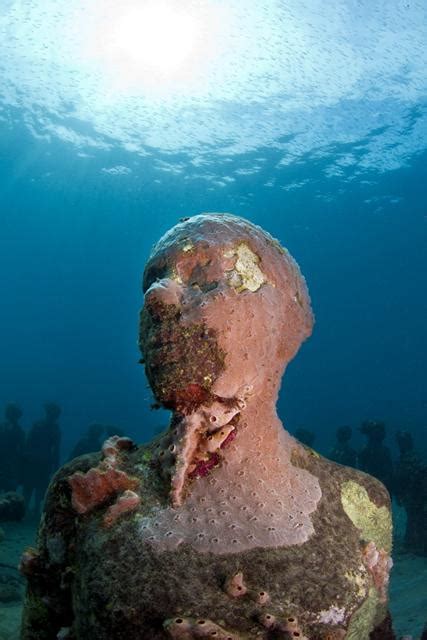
x=224 y=431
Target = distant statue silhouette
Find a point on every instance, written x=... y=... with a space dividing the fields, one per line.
x=375 y=457
x=343 y=452
x=12 y=439
x=41 y=458
x=411 y=492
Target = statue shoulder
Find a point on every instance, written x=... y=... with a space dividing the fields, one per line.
x=48 y=567
x=105 y=487
x=363 y=498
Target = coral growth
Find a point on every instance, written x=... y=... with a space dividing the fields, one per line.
x=195 y=444
x=261 y=597
x=189 y=629
x=287 y=625
x=234 y=585
x=114 y=446
x=100 y=483
x=91 y=489
x=379 y=564
x=127 y=502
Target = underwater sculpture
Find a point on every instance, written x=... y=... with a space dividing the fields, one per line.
x=224 y=526
x=342 y=451
x=41 y=455
x=12 y=437
x=375 y=457
x=411 y=492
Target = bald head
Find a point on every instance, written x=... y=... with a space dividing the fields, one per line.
x=226 y=307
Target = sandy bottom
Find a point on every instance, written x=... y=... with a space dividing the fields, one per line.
x=17 y=536
x=408 y=587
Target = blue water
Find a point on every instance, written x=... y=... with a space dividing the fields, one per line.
x=73 y=245
x=313 y=125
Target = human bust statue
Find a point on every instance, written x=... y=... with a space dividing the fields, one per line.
x=224 y=526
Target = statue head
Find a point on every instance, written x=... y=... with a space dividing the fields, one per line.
x=404 y=441
x=52 y=411
x=225 y=310
x=344 y=434
x=12 y=412
x=373 y=430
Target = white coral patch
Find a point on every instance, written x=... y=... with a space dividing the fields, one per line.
x=246 y=274
x=333 y=615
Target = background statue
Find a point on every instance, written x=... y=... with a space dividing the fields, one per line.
x=375 y=457
x=342 y=451
x=41 y=455
x=411 y=493
x=12 y=438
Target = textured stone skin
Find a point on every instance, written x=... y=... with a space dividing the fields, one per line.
x=227 y=498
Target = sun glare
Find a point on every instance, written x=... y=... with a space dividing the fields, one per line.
x=153 y=45
x=156 y=36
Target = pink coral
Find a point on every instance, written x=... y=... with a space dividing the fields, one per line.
x=288 y=625
x=192 y=629
x=202 y=467
x=235 y=585
x=127 y=502
x=261 y=597
x=379 y=564
x=113 y=446
x=91 y=489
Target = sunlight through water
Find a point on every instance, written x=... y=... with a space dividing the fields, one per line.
x=223 y=77
x=154 y=47
x=155 y=36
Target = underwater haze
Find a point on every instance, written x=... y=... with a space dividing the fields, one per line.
x=306 y=117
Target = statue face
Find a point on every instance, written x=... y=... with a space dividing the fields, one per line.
x=225 y=308
x=180 y=345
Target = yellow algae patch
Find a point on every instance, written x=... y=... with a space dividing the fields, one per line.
x=246 y=274
x=363 y=621
x=359 y=580
x=175 y=276
x=373 y=522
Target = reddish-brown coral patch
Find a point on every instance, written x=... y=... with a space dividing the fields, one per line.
x=93 y=488
x=127 y=502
